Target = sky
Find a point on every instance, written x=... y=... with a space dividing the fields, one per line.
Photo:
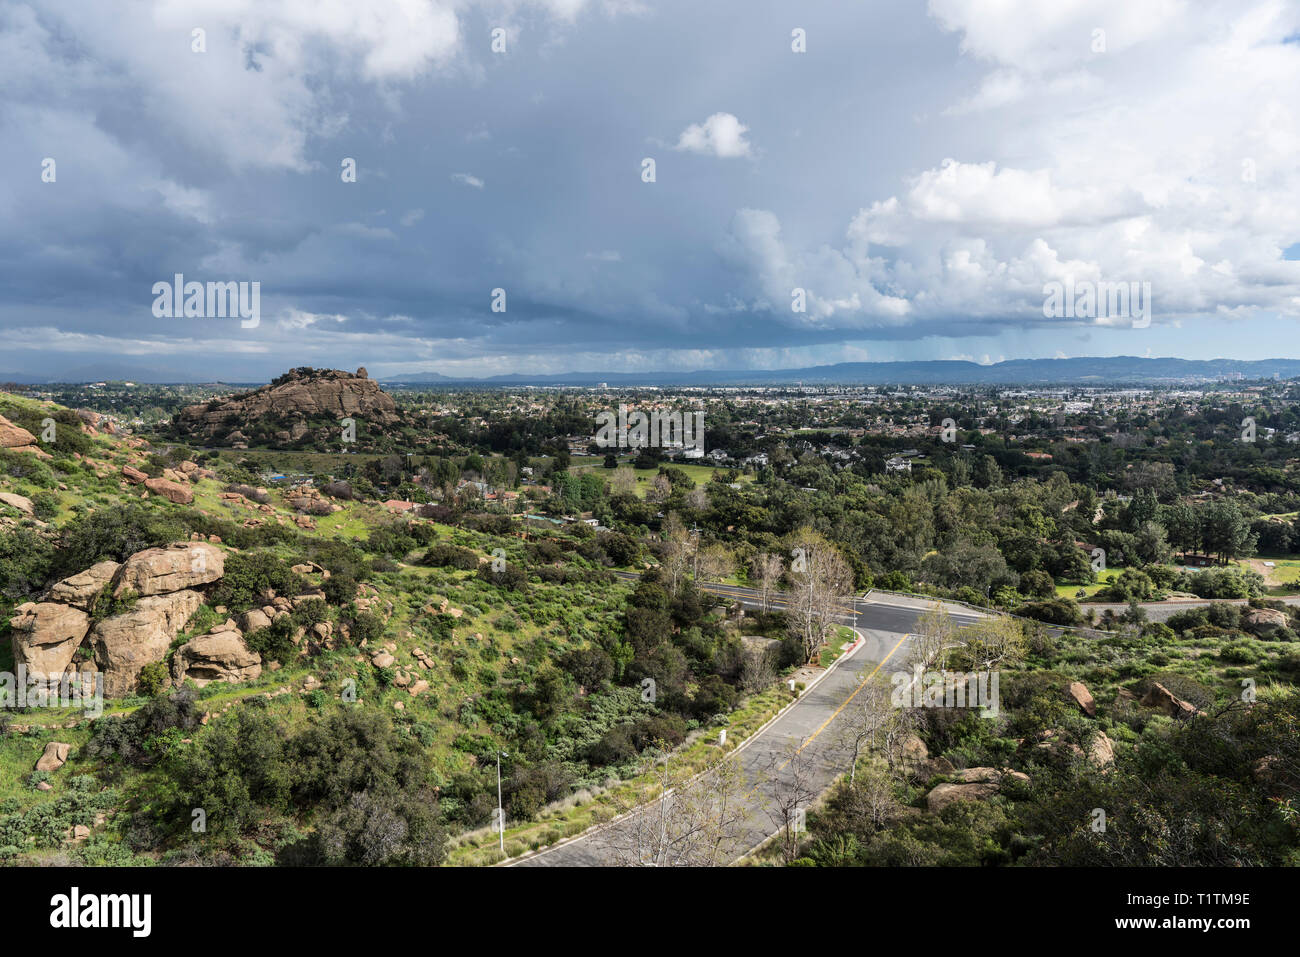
x=919 y=172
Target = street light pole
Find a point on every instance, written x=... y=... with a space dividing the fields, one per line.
x=501 y=814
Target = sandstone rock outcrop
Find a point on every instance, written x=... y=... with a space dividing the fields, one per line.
x=133 y=475
x=298 y=399
x=1265 y=620
x=20 y=502
x=14 y=436
x=1165 y=701
x=46 y=635
x=219 y=656
x=126 y=643
x=1081 y=696
x=55 y=756
x=172 y=491
x=156 y=571
x=974 y=784
x=77 y=590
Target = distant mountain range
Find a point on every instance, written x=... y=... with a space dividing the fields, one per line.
x=1080 y=371
x=1100 y=370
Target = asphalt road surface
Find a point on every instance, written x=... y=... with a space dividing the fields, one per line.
x=810 y=724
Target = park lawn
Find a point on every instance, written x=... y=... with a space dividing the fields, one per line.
x=1103 y=579
x=1282 y=579
x=699 y=474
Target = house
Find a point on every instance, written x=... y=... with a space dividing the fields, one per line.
x=898 y=464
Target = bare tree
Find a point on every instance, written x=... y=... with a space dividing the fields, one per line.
x=822 y=580
x=768 y=568
x=678 y=549
x=758 y=670
x=622 y=482
x=690 y=822
x=863 y=721
x=933 y=639
x=716 y=562
x=791 y=795
x=660 y=489
x=991 y=642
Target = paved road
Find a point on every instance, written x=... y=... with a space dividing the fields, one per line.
x=811 y=721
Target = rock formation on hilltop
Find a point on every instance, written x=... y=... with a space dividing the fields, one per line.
x=301 y=401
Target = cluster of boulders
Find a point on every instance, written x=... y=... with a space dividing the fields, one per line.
x=306 y=498
x=977 y=784
x=443 y=608
x=160 y=586
x=173 y=484
x=92 y=423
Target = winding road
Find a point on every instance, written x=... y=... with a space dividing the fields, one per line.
x=809 y=724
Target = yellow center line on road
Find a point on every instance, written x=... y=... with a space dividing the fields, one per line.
x=845 y=704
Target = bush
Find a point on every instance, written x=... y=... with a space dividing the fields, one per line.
x=248 y=574
x=450 y=556
x=153 y=677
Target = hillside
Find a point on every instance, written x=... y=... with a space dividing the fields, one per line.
x=244 y=630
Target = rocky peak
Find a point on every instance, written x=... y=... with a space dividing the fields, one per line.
x=293 y=403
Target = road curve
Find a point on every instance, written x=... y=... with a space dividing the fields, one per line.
x=811 y=722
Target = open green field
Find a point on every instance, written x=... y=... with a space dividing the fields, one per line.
x=699 y=474
x=1103 y=579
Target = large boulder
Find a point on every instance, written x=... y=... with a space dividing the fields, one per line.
x=126 y=643
x=1101 y=750
x=1081 y=696
x=80 y=588
x=255 y=619
x=973 y=784
x=20 y=502
x=1263 y=621
x=46 y=635
x=219 y=656
x=14 y=436
x=172 y=491
x=156 y=571
x=1165 y=701
x=55 y=756
x=134 y=475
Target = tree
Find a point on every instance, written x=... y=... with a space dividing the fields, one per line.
x=792 y=793
x=622 y=482
x=991 y=642
x=687 y=820
x=768 y=568
x=678 y=549
x=933 y=639
x=715 y=563
x=821 y=581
